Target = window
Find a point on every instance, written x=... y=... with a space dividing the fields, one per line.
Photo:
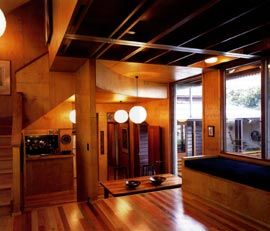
x=243 y=123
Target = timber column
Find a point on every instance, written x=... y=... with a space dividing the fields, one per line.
x=86 y=132
x=212 y=83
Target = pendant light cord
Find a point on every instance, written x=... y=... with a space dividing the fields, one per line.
x=137 y=86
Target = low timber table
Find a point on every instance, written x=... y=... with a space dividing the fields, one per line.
x=118 y=187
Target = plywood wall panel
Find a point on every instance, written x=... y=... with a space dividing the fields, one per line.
x=54 y=119
x=111 y=81
x=212 y=111
x=43 y=90
x=22 y=42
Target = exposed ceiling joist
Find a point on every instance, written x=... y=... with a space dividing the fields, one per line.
x=207 y=31
x=220 y=42
x=119 y=27
x=181 y=33
x=86 y=38
x=130 y=26
x=176 y=26
x=83 y=9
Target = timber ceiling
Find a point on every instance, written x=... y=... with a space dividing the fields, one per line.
x=8 y=6
x=168 y=32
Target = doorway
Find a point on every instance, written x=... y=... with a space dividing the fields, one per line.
x=187 y=120
x=147 y=150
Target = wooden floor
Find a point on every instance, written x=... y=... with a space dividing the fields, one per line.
x=162 y=210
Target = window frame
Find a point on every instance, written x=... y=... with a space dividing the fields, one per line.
x=265 y=110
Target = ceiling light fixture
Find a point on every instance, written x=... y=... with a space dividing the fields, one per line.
x=137 y=114
x=131 y=32
x=3 y=23
x=211 y=60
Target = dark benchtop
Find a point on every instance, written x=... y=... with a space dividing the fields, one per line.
x=50 y=156
x=254 y=175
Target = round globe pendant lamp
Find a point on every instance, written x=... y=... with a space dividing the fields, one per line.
x=3 y=23
x=72 y=116
x=120 y=116
x=137 y=114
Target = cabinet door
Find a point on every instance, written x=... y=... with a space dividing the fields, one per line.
x=111 y=144
x=154 y=145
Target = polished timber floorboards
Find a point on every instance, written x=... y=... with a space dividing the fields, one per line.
x=162 y=210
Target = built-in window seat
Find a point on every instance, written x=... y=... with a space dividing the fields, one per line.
x=254 y=175
x=239 y=186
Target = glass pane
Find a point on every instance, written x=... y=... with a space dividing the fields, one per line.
x=243 y=112
x=267 y=110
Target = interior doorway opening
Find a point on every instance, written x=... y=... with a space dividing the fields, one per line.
x=187 y=120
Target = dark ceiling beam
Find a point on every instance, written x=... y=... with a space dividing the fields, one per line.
x=86 y=38
x=142 y=3
x=220 y=42
x=238 y=49
x=176 y=26
x=131 y=26
x=207 y=31
x=80 y=13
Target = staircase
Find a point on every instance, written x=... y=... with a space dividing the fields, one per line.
x=5 y=166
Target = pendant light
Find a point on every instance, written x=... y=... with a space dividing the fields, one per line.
x=72 y=116
x=137 y=114
x=120 y=116
x=3 y=23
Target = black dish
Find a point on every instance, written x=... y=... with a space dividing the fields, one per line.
x=132 y=183
x=157 y=180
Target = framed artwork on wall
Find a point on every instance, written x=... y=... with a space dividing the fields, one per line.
x=4 y=77
x=211 y=131
x=102 y=152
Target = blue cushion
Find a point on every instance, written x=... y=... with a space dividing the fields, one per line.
x=254 y=175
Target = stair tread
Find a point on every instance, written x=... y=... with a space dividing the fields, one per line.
x=6 y=146
x=5 y=158
x=5 y=171
x=7 y=203
x=5 y=198
x=5 y=186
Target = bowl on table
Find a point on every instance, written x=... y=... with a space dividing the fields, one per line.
x=157 y=180
x=132 y=183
